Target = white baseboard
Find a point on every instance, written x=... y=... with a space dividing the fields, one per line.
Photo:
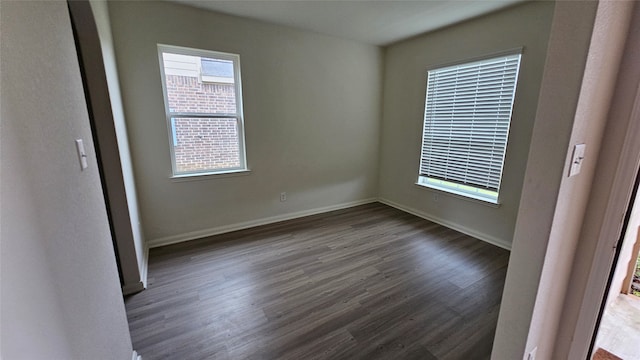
x=145 y=266
x=465 y=230
x=174 y=239
x=133 y=288
x=135 y=356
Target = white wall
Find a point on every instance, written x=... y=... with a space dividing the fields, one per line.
x=60 y=295
x=574 y=101
x=406 y=62
x=626 y=253
x=133 y=253
x=610 y=194
x=626 y=256
x=598 y=83
x=311 y=106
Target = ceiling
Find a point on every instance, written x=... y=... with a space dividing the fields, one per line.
x=376 y=22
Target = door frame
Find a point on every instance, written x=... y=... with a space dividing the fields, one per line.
x=615 y=263
x=106 y=139
x=617 y=202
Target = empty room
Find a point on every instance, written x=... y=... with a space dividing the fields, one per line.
x=310 y=179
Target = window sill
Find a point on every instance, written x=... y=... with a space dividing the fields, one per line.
x=454 y=194
x=210 y=175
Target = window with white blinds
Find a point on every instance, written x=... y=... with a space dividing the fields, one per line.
x=466 y=125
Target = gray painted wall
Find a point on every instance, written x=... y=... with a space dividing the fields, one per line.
x=311 y=106
x=406 y=66
x=60 y=294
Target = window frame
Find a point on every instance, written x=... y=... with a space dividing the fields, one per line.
x=239 y=116
x=466 y=191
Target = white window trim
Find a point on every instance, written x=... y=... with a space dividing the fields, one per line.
x=426 y=182
x=215 y=79
x=209 y=175
x=422 y=182
x=239 y=116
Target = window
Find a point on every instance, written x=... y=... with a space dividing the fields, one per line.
x=466 y=124
x=213 y=70
x=203 y=105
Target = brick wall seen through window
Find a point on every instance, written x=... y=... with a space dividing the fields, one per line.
x=203 y=114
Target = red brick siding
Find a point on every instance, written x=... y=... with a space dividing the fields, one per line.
x=203 y=143
x=188 y=94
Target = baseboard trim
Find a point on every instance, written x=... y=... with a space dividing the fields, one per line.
x=133 y=288
x=465 y=230
x=145 y=266
x=135 y=356
x=129 y=289
x=174 y=239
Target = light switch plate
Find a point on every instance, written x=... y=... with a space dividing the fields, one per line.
x=577 y=159
x=81 y=154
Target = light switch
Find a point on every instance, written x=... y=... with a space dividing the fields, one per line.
x=577 y=159
x=81 y=154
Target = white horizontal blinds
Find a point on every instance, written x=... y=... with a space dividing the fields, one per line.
x=466 y=121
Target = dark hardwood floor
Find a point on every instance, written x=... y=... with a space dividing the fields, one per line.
x=369 y=282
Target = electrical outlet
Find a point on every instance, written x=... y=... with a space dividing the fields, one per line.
x=532 y=354
x=283 y=196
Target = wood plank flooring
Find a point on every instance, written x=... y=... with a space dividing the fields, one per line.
x=369 y=282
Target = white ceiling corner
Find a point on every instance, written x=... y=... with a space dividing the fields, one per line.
x=377 y=22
